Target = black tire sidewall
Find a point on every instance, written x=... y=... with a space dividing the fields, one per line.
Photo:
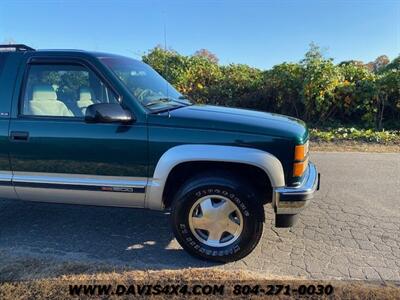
x=252 y=226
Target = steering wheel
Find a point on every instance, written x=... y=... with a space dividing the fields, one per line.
x=144 y=94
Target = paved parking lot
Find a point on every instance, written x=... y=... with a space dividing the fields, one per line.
x=351 y=230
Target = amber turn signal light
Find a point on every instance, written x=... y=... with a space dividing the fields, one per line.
x=299 y=168
x=300 y=151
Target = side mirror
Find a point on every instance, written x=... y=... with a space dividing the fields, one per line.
x=107 y=113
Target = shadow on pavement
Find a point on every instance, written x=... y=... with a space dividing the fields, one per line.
x=134 y=238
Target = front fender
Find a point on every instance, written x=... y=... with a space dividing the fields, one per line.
x=189 y=153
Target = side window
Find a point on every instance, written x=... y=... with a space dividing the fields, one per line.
x=62 y=91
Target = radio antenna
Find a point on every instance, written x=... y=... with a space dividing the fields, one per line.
x=165 y=50
x=166 y=58
x=165 y=32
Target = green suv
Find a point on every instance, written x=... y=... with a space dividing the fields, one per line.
x=100 y=129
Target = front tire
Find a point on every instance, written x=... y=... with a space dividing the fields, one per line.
x=217 y=217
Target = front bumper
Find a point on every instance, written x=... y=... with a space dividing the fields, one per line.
x=289 y=201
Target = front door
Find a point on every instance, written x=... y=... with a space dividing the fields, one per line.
x=57 y=157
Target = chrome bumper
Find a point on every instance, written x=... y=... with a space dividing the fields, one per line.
x=292 y=200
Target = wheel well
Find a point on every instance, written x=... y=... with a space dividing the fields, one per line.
x=182 y=172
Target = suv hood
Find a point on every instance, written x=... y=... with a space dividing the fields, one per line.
x=240 y=120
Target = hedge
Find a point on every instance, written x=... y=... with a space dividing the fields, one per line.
x=315 y=89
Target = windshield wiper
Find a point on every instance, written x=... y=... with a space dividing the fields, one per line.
x=163 y=100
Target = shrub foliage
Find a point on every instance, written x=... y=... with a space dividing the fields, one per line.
x=314 y=89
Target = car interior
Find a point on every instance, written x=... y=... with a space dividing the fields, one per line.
x=63 y=93
x=45 y=103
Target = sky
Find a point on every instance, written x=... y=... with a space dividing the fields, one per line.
x=257 y=33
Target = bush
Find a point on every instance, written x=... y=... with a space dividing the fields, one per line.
x=353 y=134
x=315 y=89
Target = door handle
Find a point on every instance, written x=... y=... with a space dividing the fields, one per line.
x=19 y=136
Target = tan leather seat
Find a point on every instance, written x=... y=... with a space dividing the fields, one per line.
x=85 y=99
x=44 y=103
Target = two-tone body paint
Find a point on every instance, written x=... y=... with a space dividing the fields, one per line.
x=8 y=74
x=71 y=146
x=65 y=146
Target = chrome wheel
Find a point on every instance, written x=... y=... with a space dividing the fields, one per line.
x=215 y=221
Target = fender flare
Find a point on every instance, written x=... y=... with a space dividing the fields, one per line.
x=218 y=153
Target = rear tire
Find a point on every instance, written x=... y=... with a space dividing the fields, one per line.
x=217 y=217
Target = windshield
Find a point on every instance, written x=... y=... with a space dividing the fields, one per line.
x=145 y=84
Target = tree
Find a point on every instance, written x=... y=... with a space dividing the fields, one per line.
x=378 y=64
x=356 y=93
x=168 y=63
x=388 y=85
x=351 y=62
x=207 y=54
x=193 y=76
x=321 y=78
x=393 y=65
x=200 y=79
x=238 y=85
x=283 y=87
x=315 y=89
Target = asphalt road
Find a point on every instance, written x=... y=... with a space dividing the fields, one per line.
x=351 y=230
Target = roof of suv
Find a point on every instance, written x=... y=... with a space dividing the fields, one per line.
x=21 y=48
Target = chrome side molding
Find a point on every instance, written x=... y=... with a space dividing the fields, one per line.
x=77 y=180
x=75 y=188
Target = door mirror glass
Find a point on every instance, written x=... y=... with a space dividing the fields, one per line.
x=107 y=113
